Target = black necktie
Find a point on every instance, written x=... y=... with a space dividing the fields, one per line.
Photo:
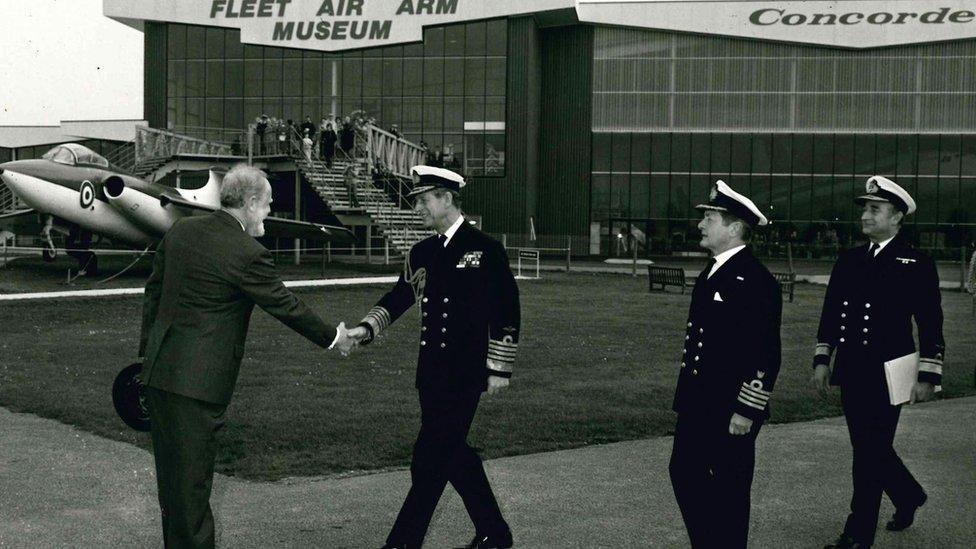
x=708 y=267
x=441 y=239
x=872 y=250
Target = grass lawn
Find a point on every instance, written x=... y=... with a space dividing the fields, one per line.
x=598 y=363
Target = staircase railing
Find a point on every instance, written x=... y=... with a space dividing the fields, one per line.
x=152 y=143
x=123 y=157
x=393 y=153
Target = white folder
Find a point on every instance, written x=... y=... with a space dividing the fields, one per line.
x=901 y=374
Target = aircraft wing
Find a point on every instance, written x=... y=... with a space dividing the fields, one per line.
x=274 y=226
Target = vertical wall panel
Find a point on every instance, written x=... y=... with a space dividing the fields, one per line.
x=565 y=136
x=154 y=74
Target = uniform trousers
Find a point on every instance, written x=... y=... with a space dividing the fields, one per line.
x=184 y=444
x=877 y=469
x=711 y=474
x=440 y=455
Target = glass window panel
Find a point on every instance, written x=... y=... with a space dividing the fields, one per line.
x=474 y=153
x=601 y=152
x=864 y=155
x=720 y=150
x=453 y=114
x=292 y=109
x=372 y=106
x=272 y=77
x=413 y=77
x=949 y=200
x=253 y=52
x=175 y=112
x=822 y=198
x=762 y=154
x=495 y=109
x=195 y=78
x=660 y=153
x=475 y=39
x=413 y=115
x=600 y=196
x=886 y=151
x=195 y=42
x=372 y=77
x=291 y=77
x=194 y=113
x=495 y=77
x=928 y=155
x=252 y=110
x=453 y=151
x=497 y=31
x=234 y=79
x=659 y=192
x=474 y=109
x=454 y=40
x=233 y=49
x=620 y=153
x=234 y=113
x=700 y=186
x=454 y=77
x=434 y=42
x=907 y=155
x=619 y=195
x=433 y=77
x=760 y=196
x=413 y=50
x=215 y=43
x=782 y=150
x=253 y=78
x=433 y=115
x=215 y=78
x=968 y=148
x=927 y=198
x=352 y=78
x=779 y=189
x=495 y=153
x=640 y=152
x=740 y=154
x=391 y=112
x=312 y=75
x=330 y=75
x=843 y=154
x=176 y=41
x=273 y=53
x=214 y=115
x=823 y=154
x=474 y=76
x=175 y=78
x=273 y=107
x=699 y=159
x=392 y=77
x=949 y=156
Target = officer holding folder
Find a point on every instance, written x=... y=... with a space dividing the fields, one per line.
x=875 y=291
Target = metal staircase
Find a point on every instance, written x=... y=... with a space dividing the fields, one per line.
x=402 y=227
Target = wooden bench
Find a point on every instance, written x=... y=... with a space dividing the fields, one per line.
x=665 y=276
x=786 y=283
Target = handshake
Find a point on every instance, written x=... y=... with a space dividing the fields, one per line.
x=346 y=340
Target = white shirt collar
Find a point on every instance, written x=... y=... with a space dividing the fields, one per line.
x=721 y=258
x=237 y=218
x=881 y=245
x=449 y=233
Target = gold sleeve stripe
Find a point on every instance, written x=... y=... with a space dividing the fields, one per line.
x=378 y=318
x=759 y=399
x=823 y=349
x=930 y=366
x=497 y=366
x=752 y=404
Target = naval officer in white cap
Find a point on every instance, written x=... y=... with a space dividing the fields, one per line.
x=728 y=368
x=875 y=291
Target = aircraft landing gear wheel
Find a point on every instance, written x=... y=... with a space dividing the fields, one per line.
x=48 y=255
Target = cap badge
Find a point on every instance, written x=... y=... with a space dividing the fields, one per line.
x=872 y=187
x=714 y=193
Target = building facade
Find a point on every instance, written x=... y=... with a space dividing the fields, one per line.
x=590 y=129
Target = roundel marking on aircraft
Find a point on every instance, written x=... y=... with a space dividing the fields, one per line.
x=86 y=195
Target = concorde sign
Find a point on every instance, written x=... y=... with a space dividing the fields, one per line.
x=335 y=25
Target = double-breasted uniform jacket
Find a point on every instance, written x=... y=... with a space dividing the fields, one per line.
x=868 y=310
x=731 y=353
x=469 y=310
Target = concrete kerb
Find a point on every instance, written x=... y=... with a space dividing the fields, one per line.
x=63 y=487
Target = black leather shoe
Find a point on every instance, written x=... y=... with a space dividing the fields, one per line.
x=490 y=542
x=903 y=518
x=845 y=542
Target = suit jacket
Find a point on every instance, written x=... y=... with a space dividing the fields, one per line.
x=732 y=345
x=207 y=276
x=868 y=310
x=469 y=308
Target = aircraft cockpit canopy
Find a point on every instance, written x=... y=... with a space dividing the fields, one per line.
x=73 y=154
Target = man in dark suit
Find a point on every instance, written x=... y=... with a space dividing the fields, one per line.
x=208 y=274
x=729 y=365
x=470 y=317
x=874 y=292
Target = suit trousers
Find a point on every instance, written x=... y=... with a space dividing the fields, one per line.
x=440 y=455
x=877 y=469
x=184 y=445
x=711 y=474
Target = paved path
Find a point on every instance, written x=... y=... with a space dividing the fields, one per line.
x=60 y=487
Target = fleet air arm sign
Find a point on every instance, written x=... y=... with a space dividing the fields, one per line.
x=329 y=25
x=334 y=25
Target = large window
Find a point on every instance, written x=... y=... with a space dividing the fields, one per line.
x=448 y=91
x=657 y=81
x=804 y=183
